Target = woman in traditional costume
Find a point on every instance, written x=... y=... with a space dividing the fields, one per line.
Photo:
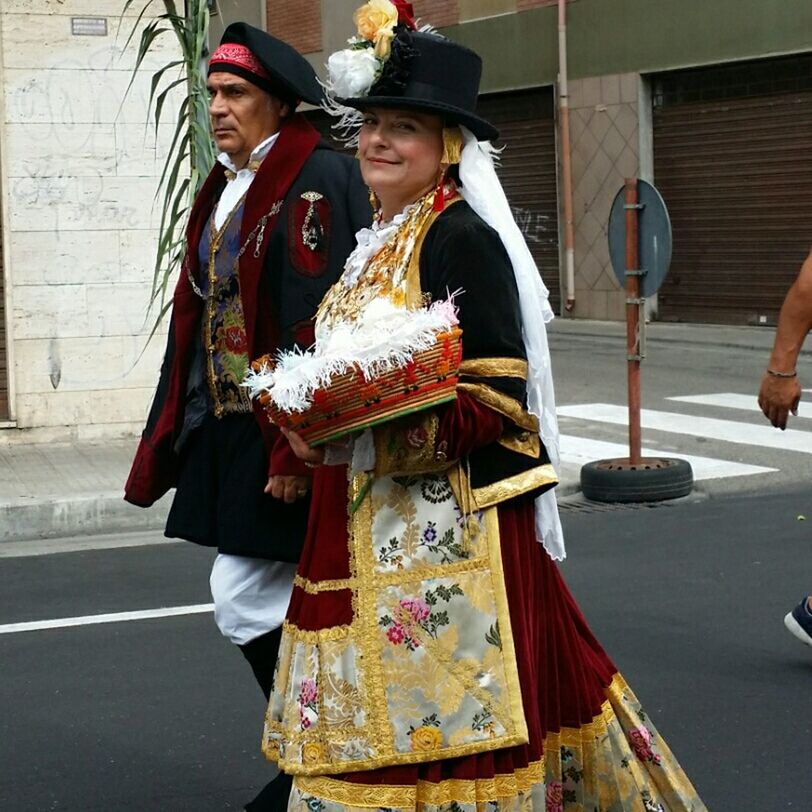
x=432 y=658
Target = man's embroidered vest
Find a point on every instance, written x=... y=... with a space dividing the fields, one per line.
x=224 y=338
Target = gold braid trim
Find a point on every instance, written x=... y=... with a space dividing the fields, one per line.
x=523 y=442
x=512 y=684
x=495 y=368
x=314 y=587
x=331 y=634
x=414 y=293
x=379 y=579
x=503 y=404
x=504 y=489
x=339 y=734
x=482 y=790
x=365 y=617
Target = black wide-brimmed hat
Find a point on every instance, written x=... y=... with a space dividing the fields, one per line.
x=432 y=74
x=267 y=62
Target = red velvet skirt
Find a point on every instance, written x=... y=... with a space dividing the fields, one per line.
x=591 y=746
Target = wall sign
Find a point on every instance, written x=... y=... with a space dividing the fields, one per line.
x=88 y=26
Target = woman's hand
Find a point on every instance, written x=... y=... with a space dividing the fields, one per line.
x=313 y=456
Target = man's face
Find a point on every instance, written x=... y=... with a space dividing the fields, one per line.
x=242 y=115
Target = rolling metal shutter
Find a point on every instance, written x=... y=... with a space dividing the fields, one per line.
x=733 y=160
x=528 y=171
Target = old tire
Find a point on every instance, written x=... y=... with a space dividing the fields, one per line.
x=650 y=481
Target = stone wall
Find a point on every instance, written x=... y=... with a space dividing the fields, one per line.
x=80 y=167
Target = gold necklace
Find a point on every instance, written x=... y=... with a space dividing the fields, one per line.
x=383 y=275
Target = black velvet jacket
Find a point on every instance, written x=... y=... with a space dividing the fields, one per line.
x=461 y=253
x=284 y=273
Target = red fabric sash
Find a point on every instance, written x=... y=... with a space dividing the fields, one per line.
x=297 y=140
x=263 y=206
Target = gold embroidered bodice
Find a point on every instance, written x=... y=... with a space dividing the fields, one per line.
x=386 y=273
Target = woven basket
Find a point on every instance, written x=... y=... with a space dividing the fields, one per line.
x=353 y=403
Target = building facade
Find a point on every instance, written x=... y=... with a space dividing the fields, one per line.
x=710 y=101
x=80 y=164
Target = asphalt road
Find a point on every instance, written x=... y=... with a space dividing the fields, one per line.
x=683 y=360
x=162 y=715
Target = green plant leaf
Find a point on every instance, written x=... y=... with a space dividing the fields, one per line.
x=191 y=152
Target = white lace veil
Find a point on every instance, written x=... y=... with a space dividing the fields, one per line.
x=483 y=192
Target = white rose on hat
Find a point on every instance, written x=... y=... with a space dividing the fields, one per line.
x=352 y=72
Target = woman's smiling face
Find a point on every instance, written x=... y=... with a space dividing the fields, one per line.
x=400 y=153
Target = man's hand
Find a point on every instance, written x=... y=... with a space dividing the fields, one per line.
x=777 y=397
x=288 y=488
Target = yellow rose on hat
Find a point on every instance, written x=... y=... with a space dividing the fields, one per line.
x=376 y=21
x=383 y=44
x=426 y=738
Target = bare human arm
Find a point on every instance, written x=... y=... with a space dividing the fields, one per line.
x=778 y=396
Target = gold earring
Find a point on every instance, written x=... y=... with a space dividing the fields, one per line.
x=373 y=200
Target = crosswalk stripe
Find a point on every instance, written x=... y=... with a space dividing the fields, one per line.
x=735 y=400
x=580 y=450
x=116 y=617
x=730 y=431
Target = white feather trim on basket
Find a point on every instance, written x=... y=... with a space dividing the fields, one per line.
x=384 y=337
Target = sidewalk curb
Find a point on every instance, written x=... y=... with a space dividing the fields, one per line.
x=658 y=332
x=105 y=513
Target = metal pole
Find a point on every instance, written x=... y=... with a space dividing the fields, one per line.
x=566 y=160
x=633 y=317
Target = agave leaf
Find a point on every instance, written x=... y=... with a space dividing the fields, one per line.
x=177 y=146
x=137 y=19
x=159 y=101
x=158 y=75
x=191 y=152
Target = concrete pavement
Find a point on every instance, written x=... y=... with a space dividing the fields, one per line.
x=61 y=490
x=57 y=490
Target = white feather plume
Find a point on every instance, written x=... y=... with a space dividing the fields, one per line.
x=385 y=337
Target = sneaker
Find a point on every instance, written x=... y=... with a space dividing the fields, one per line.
x=799 y=622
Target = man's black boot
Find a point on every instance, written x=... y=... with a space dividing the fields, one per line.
x=261 y=654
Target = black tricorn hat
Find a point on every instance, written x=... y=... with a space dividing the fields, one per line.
x=430 y=73
x=287 y=73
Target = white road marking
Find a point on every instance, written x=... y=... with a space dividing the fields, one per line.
x=734 y=400
x=729 y=431
x=117 y=617
x=580 y=450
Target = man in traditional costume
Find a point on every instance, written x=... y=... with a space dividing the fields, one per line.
x=432 y=658
x=268 y=234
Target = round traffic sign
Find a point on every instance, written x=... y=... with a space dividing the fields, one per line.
x=654 y=229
